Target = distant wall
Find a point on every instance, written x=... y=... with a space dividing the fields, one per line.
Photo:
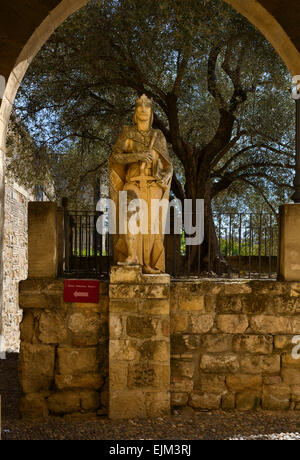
x=15 y=261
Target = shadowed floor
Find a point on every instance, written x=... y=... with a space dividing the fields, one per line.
x=182 y=425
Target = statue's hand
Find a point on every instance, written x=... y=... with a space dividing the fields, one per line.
x=163 y=183
x=147 y=157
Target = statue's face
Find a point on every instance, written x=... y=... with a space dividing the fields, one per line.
x=143 y=112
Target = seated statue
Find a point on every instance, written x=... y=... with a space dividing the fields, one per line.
x=140 y=165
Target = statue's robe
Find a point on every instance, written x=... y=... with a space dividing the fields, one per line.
x=150 y=248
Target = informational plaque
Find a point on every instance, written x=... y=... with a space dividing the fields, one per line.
x=82 y=291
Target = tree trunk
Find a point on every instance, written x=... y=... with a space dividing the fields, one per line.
x=210 y=258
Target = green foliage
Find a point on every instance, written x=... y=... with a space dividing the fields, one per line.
x=199 y=60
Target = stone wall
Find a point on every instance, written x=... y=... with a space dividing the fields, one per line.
x=231 y=346
x=15 y=264
x=63 y=364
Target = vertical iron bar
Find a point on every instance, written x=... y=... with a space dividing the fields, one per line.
x=240 y=239
x=270 y=248
x=250 y=244
x=209 y=249
x=220 y=242
x=259 y=245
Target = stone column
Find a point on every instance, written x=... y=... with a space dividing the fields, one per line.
x=289 y=243
x=42 y=240
x=139 y=344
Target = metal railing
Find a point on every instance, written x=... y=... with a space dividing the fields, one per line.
x=238 y=245
x=86 y=251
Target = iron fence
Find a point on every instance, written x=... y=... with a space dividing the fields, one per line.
x=236 y=245
x=86 y=250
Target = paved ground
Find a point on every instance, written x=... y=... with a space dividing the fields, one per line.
x=180 y=426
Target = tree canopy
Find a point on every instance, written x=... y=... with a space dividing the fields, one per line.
x=221 y=96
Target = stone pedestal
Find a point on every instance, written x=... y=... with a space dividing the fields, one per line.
x=139 y=344
x=42 y=240
x=289 y=243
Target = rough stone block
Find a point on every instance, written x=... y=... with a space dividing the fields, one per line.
x=276 y=397
x=201 y=324
x=158 y=350
x=117 y=375
x=156 y=291
x=289 y=249
x=164 y=327
x=127 y=404
x=270 y=324
x=181 y=384
x=179 y=399
x=191 y=303
x=83 y=381
x=141 y=327
x=183 y=343
x=295 y=391
x=226 y=304
x=52 y=328
x=244 y=382
x=228 y=401
x=64 y=402
x=238 y=287
x=216 y=343
x=248 y=400
x=272 y=380
x=74 y=361
x=27 y=327
x=85 y=327
x=42 y=240
x=119 y=274
x=255 y=364
x=290 y=376
x=145 y=375
x=181 y=368
x=232 y=324
x=36 y=367
x=219 y=363
x=89 y=400
x=209 y=401
x=124 y=306
x=123 y=350
x=155 y=307
x=210 y=383
x=33 y=405
x=283 y=342
x=158 y=404
x=258 y=344
x=124 y=291
x=287 y=360
x=210 y=302
x=116 y=328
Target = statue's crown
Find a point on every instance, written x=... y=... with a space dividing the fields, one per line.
x=143 y=100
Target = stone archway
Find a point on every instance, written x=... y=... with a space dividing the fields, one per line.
x=251 y=9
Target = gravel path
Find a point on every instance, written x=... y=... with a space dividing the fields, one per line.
x=182 y=425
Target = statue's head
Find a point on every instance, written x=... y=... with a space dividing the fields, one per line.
x=143 y=110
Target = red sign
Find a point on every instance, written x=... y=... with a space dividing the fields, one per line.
x=82 y=291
